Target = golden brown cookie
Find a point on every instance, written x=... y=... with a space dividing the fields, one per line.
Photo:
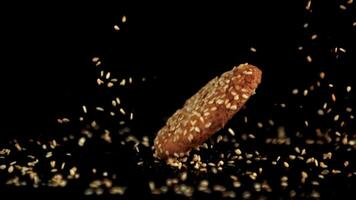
x=207 y=111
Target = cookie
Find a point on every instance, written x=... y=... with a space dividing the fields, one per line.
x=207 y=111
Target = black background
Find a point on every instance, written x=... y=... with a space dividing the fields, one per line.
x=46 y=68
x=46 y=49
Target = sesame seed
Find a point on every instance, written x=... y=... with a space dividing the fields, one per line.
x=95 y=59
x=313 y=37
x=10 y=169
x=333 y=97
x=348 y=88
x=231 y=131
x=308 y=6
x=123 y=19
x=117 y=100
x=322 y=75
x=238 y=151
x=99 y=109
x=286 y=165
x=122 y=111
x=81 y=141
x=84 y=109
x=116 y=28
x=253 y=49
x=97 y=64
x=220 y=101
x=233 y=107
x=309 y=59
x=336 y=117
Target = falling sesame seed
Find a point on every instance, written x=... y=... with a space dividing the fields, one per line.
x=81 y=141
x=342 y=7
x=253 y=49
x=309 y=59
x=73 y=171
x=116 y=28
x=286 y=165
x=231 y=131
x=251 y=136
x=97 y=64
x=118 y=100
x=49 y=154
x=323 y=165
x=322 y=75
x=303 y=152
x=107 y=76
x=305 y=93
x=99 y=81
x=122 y=111
x=123 y=19
x=320 y=112
x=53 y=163
x=348 y=88
x=110 y=84
x=308 y=6
x=151 y=185
x=18 y=147
x=333 y=97
x=346 y=163
x=295 y=91
x=297 y=149
x=10 y=169
x=304 y=176
x=313 y=37
x=95 y=59
x=238 y=151
x=123 y=82
x=336 y=117
x=99 y=109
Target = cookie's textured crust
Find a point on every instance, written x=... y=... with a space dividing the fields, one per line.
x=207 y=111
